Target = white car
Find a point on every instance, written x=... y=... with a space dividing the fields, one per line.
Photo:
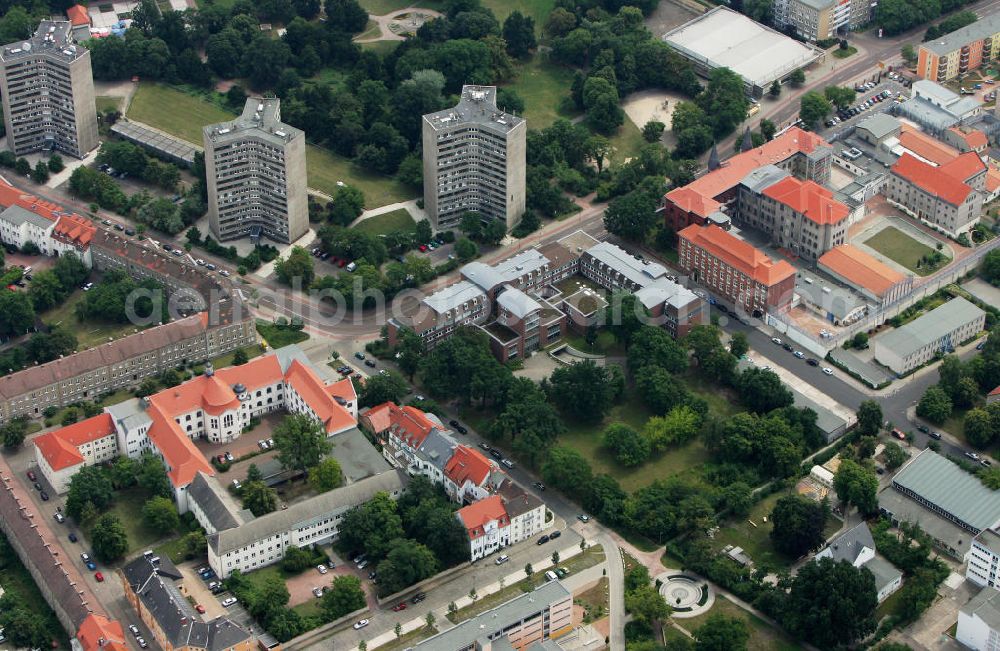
x=142 y=642
x=59 y=518
x=318 y=592
x=827 y=370
x=322 y=569
x=502 y=559
x=134 y=629
x=200 y=262
x=229 y=601
x=360 y=624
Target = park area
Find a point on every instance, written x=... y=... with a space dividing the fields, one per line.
x=390 y=222
x=763 y=637
x=537 y=9
x=88 y=333
x=183 y=115
x=906 y=251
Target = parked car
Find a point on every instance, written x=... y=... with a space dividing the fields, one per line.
x=99 y=577
x=453 y=423
x=583 y=518
x=799 y=354
x=501 y=559
x=362 y=565
x=541 y=541
x=398 y=607
x=44 y=496
x=38 y=486
x=935 y=435
x=317 y=592
x=508 y=463
x=972 y=455
x=461 y=430
x=133 y=629
x=360 y=624
x=229 y=457
x=72 y=537
x=924 y=429
x=812 y=361
x=555 y=534
x=776 y=341
x=321 y=569
x=142 y=642
x=539 y=485
x=228 y=601
x=32 y=476
x=827 y=370
x=60 y=518
x=200 y=608
x=370 y=363
x=417 y=598
x=897 y=433
x=359 y=355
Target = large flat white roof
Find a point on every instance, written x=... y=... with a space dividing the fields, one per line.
x=723 y=38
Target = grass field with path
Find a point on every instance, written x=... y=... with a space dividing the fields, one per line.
x=901 y=248
x=537 y=9
x=763 y=637
x=184 y=115
x=755 y=539
x=128 y=507
x=542 y=85
x=88 y=333
x=397 y=220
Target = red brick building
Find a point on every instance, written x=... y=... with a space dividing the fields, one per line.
x=735 y=270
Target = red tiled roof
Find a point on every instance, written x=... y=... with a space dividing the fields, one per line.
x=689 y=200
x=995 y=392
x=931 y=180
x=98 y=633
x=860 y=269
x=78 y=15
x=738 y=254
x=808 y=198
x=9 y=196
x=992 y=179
x=925 y=146
x=312 y=390
x=407 y=423
x=478 y=514
x=964 y=166
x=973 y=138
x=467 y=464
x=59 y=447
x=343 y=390
x=735 y=169
x=178 y=450
x=75 y=230
x=258 y=372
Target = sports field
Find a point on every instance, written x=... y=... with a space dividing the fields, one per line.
x=903 y=249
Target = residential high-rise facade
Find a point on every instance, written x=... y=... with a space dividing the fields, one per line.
x=256 y=171
x=816 y=20
x=48 y=93
x=474 y=160
x=965 y=49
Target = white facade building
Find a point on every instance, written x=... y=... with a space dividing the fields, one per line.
x=941 y=330
x=18 y=226
x=983 y=559
x=979 y=622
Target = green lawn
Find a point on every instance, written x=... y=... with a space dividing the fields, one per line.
x=184 y=115
x=227 y=359
x=627 y=142
x=108 y=103
x=397 y=220
x=279 y=336
x=326 y=169
x=586 y=439
x=843 y=54
x=903 y=249
x=381 y=47
x=763 y=637
x=175 y=111
x=606 y=344
x=407 y=640
x=88 y=333
x=16 y=580
x=371 y=30
x=537 y=9
x=542 y=85
x=128 y=507
x=755 y=538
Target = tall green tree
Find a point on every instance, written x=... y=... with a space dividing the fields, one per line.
x=857 y=485
x=301 y=442
x=108 y=538
x=722 y=633
x=797 y=525
x=342 y=597
x=259 y=498
x=813 y=107
x=869 y=417
x=160 y=515
x=830 y=604
x=519 y=32
x=585 y=390
x=326 y=476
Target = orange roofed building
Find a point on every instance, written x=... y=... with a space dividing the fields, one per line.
x=487 y=526
x=215 y=406
x=804 y=154
x=866 y=274
x=947 y=196
x=735 y=270
x=98 y=633
x=800 y=216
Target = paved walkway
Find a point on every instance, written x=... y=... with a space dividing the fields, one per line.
x=384 y=22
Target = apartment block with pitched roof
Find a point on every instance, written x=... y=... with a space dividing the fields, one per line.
x=735 y=270
x=863 y=272
x=948 y=196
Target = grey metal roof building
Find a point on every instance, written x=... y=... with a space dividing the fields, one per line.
x=916 y=343
x=941 y=486
x=850 y=544
x=454 y=297
x=161 y=144
x=879 y=126
x=723 y=38
x=488 y=630
x=325 y=505
x=16 y=215
x=637 y=272
x=517 y=302
x=215 y=505
x=984 y=27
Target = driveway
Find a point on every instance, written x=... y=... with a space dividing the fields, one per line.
x=197 y=589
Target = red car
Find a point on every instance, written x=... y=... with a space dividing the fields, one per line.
x=99 y=577
x=342 y=263
x=200 y=609
x=334 y=260
x=423 y=248
x=32 y=476
x=400 y=606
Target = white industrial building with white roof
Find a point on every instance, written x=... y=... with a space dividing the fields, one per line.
x=723 y=38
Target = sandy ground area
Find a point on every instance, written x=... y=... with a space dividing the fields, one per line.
x=649 y=105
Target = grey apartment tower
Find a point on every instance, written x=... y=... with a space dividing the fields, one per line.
x=48 y=93
x=256 y=171
x=474 y=160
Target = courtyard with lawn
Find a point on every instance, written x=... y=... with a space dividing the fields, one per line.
x=904 y=250
x=89 y=333
x=542 y=85
x=183 y=115
x=389 y=222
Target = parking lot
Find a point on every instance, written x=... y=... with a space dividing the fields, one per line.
x=840 y=124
